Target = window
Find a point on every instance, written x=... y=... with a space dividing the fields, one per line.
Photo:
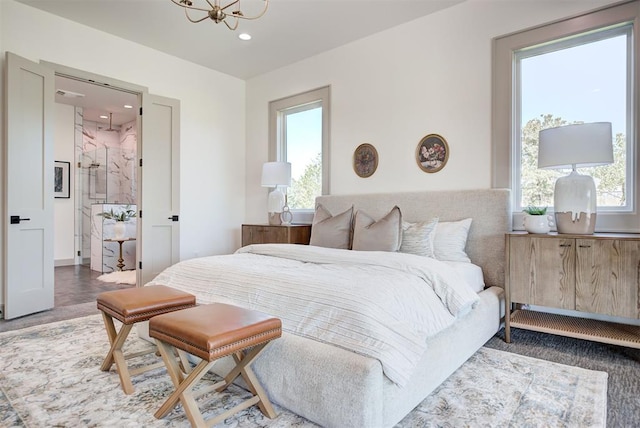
x=583 y=79
x=575 y=71
x=299 y=134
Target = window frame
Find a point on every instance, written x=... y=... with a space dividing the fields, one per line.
x=277 y=137
x=505 y=117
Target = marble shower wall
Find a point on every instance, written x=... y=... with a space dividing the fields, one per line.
x=113 y=156
x=107 y=169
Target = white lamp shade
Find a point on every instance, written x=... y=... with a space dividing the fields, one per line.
x=276 y=174
x=586 y=144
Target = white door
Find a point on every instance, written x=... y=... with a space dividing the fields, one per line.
x=28 y=266
x=159 y=191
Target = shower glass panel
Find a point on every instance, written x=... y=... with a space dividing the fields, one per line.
x=95 y=162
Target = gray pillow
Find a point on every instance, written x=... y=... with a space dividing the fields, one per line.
x=382 y=235
x=331 y=231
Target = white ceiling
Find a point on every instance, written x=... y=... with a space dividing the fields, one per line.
x=290 y=31
x=98 y=100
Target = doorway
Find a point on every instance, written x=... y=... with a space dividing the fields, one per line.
x=103 y=122
x=29 y=260
x=96 y=136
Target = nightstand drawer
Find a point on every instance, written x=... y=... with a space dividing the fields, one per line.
x=280 y=234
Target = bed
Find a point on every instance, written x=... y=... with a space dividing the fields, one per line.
x=310 y=370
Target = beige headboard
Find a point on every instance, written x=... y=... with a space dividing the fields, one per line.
x=490 y=210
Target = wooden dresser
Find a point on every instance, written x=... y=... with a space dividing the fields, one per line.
x=592 y=274
x=281 y=234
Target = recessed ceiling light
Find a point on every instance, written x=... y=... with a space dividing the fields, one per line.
x=244 y=36
x=127 y=106
x=104 y=117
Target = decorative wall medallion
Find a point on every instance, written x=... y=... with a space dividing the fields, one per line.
x=365 y=160
x=432 y=153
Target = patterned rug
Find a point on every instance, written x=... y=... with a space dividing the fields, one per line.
x=50 y=377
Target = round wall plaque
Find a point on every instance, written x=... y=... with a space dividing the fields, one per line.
x=365 y=160
x=432 y=153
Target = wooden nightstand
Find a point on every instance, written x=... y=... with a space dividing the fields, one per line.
x=592 y=274
x=281 y=234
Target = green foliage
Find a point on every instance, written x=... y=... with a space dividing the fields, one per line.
x=538 y=184
x=303 y=191
x=532 y=210
x=123 y=215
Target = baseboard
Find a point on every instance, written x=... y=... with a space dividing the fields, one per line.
x=64 y=262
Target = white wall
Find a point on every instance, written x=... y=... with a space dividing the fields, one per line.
x=64 y=209
x=212 y=114
x=431 y=75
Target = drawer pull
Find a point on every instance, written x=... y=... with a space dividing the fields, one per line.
x=565 y=245
x=585 y=246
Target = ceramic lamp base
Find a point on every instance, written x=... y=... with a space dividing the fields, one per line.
x=584 y=224
x=274 y=219
x=274 y=206
x=574 y=203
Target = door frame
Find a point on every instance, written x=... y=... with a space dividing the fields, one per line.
x=145 y=99
x=115 y=84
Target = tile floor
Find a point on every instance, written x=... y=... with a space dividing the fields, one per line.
x=78 y=284
x=76 y=289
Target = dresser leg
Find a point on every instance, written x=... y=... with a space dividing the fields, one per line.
x=507 y=324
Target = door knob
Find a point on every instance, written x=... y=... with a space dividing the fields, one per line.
x=15 y=219
x=173 y=218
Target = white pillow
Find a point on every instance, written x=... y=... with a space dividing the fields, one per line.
x=417 y=238
x=451 y=239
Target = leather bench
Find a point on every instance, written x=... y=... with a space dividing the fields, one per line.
x=211 y=332
x=130 y=306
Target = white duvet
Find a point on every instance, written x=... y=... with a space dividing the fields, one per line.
x=379 y=304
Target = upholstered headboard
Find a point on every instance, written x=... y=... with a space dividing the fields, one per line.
x=490 y=210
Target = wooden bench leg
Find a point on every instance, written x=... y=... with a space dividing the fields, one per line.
x=243 y=368
x=117 y=356
x=115 y=353
x=184 y=386
x=112 y=334
x=176 y=377
x=256 y=389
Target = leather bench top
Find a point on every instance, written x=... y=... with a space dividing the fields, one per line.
x=137 y=304
x=215 y=330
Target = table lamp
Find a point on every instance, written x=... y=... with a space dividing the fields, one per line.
x=574 y=196
x=276 y=175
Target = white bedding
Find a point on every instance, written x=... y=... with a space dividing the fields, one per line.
x=471 y=273
x=379 y=304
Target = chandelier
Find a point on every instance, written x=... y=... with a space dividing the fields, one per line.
x=218 y=13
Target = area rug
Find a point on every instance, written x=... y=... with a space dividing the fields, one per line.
x=50 y=377
x=119 y=277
